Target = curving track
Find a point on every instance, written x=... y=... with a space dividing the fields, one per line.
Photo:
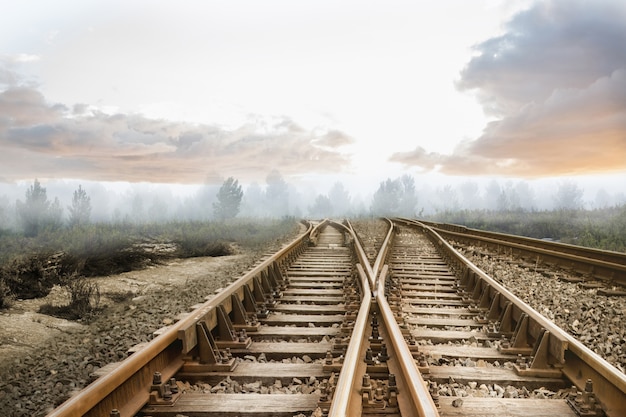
x=317 y=329
x=606 y=266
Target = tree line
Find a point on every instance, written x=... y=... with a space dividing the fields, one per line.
x=276 y=198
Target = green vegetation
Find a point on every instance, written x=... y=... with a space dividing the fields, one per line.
x=601 y=228
x=31 y=266
x=37 y=213
x=228 y=200
x=43 y=250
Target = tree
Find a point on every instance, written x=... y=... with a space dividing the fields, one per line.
x=80 y=210
x=493 y=196
x=568 y=196
x=387 y=198
x=252 y=204
x=408 y=201
x=395 y=197
x=340 y=199
x=322 y=207
x=228 y=199
x=448 y=198
x=277 y=195
x=37 y=212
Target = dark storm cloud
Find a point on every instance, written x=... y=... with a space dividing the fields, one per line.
x=556 y=81
x=39 y=139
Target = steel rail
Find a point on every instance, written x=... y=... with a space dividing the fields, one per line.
x=605 y=265
x=126 y=388
x=384 y=249
x=363 y=260
x=414 y=385
x=347 y=394
x=414 y=388
x=580 y=362
x=605 y=255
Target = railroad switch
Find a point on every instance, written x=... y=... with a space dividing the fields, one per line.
x=327 y=388
x=378 y=393
x=163 y=393
x=422 y=362
x=243 y=320
x=545 y=360
x=434 y=392
x=340 y=344
x=210 y=357
x=332 y=364
x=481 y=318
x=252 y=306
x=228 y=336
x=585 y=403
x=375 y=337
x=383 y=355
x=404 y=329
x=376 y=364
x=347 y=327
x=262 y=291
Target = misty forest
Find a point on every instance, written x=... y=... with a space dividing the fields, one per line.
x=61 y=234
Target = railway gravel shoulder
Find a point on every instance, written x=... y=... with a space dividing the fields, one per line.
x=596 y=320
x=33 y=383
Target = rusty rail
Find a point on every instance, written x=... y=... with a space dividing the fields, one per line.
x=346 y=399
x=421 y=403
x=415 y=398
x=607 y=266
x=127 y=387
x=576 y=361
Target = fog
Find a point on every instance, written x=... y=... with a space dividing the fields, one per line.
x=276 y=197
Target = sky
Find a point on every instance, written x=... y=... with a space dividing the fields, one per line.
x=192 y=92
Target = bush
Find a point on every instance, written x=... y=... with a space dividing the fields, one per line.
x=84 y=300
x=31 y=276
x=601 y=228
x=31 y=266
x=6 y=297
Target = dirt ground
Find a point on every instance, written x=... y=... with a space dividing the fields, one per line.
x=23 y=330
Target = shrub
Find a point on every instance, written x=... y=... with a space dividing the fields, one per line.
x=6 y=298
x=84 y=300
x=31 y=276
x=29 y=267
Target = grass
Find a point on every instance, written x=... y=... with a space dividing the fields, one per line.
x=601 y=228
x=30 y=267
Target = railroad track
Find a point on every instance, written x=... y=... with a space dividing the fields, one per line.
x=589 y=264
x=316 y=330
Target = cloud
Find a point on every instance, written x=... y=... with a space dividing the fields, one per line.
x=556 y=82
x=43 y=140
x=334 y=139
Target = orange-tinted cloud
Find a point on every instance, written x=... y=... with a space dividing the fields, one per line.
x=556 y=81
x=42 y=140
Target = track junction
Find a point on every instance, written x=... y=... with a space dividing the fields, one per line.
x=318 y=329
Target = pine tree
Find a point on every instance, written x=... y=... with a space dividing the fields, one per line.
x=80 y=210
x=228 y=200
x=37 y=213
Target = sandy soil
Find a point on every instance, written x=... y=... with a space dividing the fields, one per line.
x=23 y=330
